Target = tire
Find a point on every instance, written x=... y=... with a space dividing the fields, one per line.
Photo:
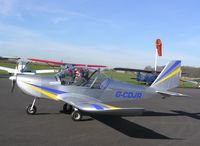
x=67 y=108
x=29 y=111
x=76 y=116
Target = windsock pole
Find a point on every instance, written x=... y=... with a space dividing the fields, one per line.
x=156 y=60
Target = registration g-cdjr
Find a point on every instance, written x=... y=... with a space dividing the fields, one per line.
x=136 y=95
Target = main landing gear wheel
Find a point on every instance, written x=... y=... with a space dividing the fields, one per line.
x=67 y=108
x=76 y=115
x=31 y=110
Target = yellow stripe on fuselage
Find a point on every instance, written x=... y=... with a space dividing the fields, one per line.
x=169 y=76
x=52 y=96
x=111 y=107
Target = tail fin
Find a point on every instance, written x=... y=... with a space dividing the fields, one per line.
x=169 y=77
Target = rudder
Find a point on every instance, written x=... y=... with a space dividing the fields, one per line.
x=169 y=77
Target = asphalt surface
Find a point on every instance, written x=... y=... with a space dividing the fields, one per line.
x=171 y=121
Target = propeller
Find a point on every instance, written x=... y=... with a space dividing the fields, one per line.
x=13 y=82
x=13 y=85
x=20 y=68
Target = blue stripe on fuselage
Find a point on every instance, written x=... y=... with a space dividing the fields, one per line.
x=54 y=91
x=98 y=107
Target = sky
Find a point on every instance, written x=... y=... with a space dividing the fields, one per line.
x=117 y=33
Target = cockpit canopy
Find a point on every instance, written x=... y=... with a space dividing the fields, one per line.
x=95 y=79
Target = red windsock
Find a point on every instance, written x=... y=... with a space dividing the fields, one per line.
x=159 y=47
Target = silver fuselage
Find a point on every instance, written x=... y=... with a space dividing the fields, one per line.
x=112 y=90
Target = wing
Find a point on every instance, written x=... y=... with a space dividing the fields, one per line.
x=9 y=70
x=91 y=105
x=136 y=70
x=46 y=61
x=45 y=71
x=62 y=63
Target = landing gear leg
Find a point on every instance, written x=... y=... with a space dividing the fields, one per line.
x=67 y=108
x=31 y=108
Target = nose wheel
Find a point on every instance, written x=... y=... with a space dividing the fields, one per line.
x=31 y=108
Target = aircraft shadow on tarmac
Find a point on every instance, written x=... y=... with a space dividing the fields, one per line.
x=192 y=115
x=48 y=113
x=132 y=129
x=176 y=113
x=129 y=128
x=122 y=125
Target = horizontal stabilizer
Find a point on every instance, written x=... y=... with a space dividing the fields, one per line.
x=135 y=70
x=168 y=93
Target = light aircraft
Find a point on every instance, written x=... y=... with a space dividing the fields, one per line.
x=95 y=96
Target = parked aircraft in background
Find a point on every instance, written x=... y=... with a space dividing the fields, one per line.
x=196 y=83
x=145 y=76
x=96 y=94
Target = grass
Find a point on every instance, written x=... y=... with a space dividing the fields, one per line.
x=38 y=67
x=10 y=65
x=186 y=85
x=126 y=77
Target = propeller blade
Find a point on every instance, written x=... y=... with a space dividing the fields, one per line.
x=13 y=80
x=13 y=85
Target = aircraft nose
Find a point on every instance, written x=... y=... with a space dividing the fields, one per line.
x=27 y=78
x=23 y=82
